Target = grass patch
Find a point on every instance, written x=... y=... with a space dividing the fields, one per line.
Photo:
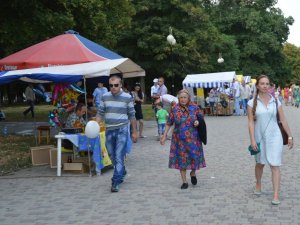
x=15 y=152
x=15 y=113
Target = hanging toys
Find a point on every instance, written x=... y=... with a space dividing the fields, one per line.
x=66 y=92
x=53 y=119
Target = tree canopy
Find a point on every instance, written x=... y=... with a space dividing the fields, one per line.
x=249 y=34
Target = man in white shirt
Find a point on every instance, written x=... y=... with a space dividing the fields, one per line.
x=245 y=95
x=154 y=88
x=237 y=97
x=162 y=90
x=167 y=101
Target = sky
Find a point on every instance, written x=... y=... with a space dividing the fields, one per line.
x=292 y=8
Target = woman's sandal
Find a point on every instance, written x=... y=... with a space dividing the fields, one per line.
x=258 y=193
x=193 y=179
x=184 y=186
x=275 y=202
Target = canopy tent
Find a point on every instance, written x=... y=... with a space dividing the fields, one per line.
x=73 y=73
x=208 y=80
x=66 y=49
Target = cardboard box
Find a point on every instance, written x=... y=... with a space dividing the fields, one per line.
x=53 y=157
x=40 y=155
x=74 y=167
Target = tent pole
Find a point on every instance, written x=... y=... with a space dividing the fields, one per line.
x=35 y=131
x=85 y=99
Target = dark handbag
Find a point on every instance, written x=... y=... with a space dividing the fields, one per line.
x=202 y=131
x=284 y=135
x=252 y=151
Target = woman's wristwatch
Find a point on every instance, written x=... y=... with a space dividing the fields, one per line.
x=290 y=138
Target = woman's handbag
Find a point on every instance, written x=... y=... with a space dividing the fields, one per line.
x=252 y=151
x=202 y=131
x=285 y=137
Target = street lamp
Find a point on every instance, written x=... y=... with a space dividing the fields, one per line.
x=220 y=59
x=172 y=41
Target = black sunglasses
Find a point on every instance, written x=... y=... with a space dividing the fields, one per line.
x=113 y=85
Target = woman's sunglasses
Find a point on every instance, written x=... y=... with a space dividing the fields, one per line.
x=113 y=85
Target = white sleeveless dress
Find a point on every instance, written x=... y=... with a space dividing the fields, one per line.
x=269 y=136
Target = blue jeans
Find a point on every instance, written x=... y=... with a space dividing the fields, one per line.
x=161 y=128
x=237 y=105
x=116 y=142
x=245 y=101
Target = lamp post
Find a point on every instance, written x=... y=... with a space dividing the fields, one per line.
x=172 y=41
x=220 y=59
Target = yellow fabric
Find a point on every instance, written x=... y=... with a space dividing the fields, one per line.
x=200 y=92
x=239 y=78
x=105 y=156
x=64 y=150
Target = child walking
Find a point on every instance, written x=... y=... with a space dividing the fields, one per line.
x=162 y=116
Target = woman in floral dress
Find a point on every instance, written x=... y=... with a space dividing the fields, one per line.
x=186 y=152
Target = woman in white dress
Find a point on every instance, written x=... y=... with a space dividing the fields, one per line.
x=263 y=128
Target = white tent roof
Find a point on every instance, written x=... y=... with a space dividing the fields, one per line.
x=69 y=72
x=208 y=80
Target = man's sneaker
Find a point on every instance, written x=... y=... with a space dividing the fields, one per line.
x=114 y=188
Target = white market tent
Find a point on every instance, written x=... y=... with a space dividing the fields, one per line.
x=208 y=80
x=75 y=72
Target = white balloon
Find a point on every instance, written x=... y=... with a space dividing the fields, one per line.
x=92 y=129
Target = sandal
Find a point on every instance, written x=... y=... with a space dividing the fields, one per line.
x=193 y=179
x=275 y=202
x=184 y=186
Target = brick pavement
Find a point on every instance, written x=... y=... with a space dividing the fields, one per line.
x=151 y=193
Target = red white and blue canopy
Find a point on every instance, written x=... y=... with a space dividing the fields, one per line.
x=50 y=56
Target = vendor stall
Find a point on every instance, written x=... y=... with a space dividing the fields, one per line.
x=67 y=58
x=213 y=80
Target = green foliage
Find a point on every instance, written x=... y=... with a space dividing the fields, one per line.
x=249 y=34
x=24 y=23
x=198 y=40
x=292 y=53
x=259 y=29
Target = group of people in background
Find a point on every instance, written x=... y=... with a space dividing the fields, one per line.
x=242 y=92
x=119 y=108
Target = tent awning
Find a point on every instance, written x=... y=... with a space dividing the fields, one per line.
x=73 y=73
x=208 y=80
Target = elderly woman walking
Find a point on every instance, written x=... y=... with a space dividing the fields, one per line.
x=186 y=152
x=265 y=134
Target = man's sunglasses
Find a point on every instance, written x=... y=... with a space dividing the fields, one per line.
x=113 y=85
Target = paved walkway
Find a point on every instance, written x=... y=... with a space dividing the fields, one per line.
x=151 y=193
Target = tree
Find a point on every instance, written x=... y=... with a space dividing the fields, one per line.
x=292 y=54
x=24 y=23
x=259 y=29
x=198 y=40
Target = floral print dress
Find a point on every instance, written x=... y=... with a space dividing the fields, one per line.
x=186 y=150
